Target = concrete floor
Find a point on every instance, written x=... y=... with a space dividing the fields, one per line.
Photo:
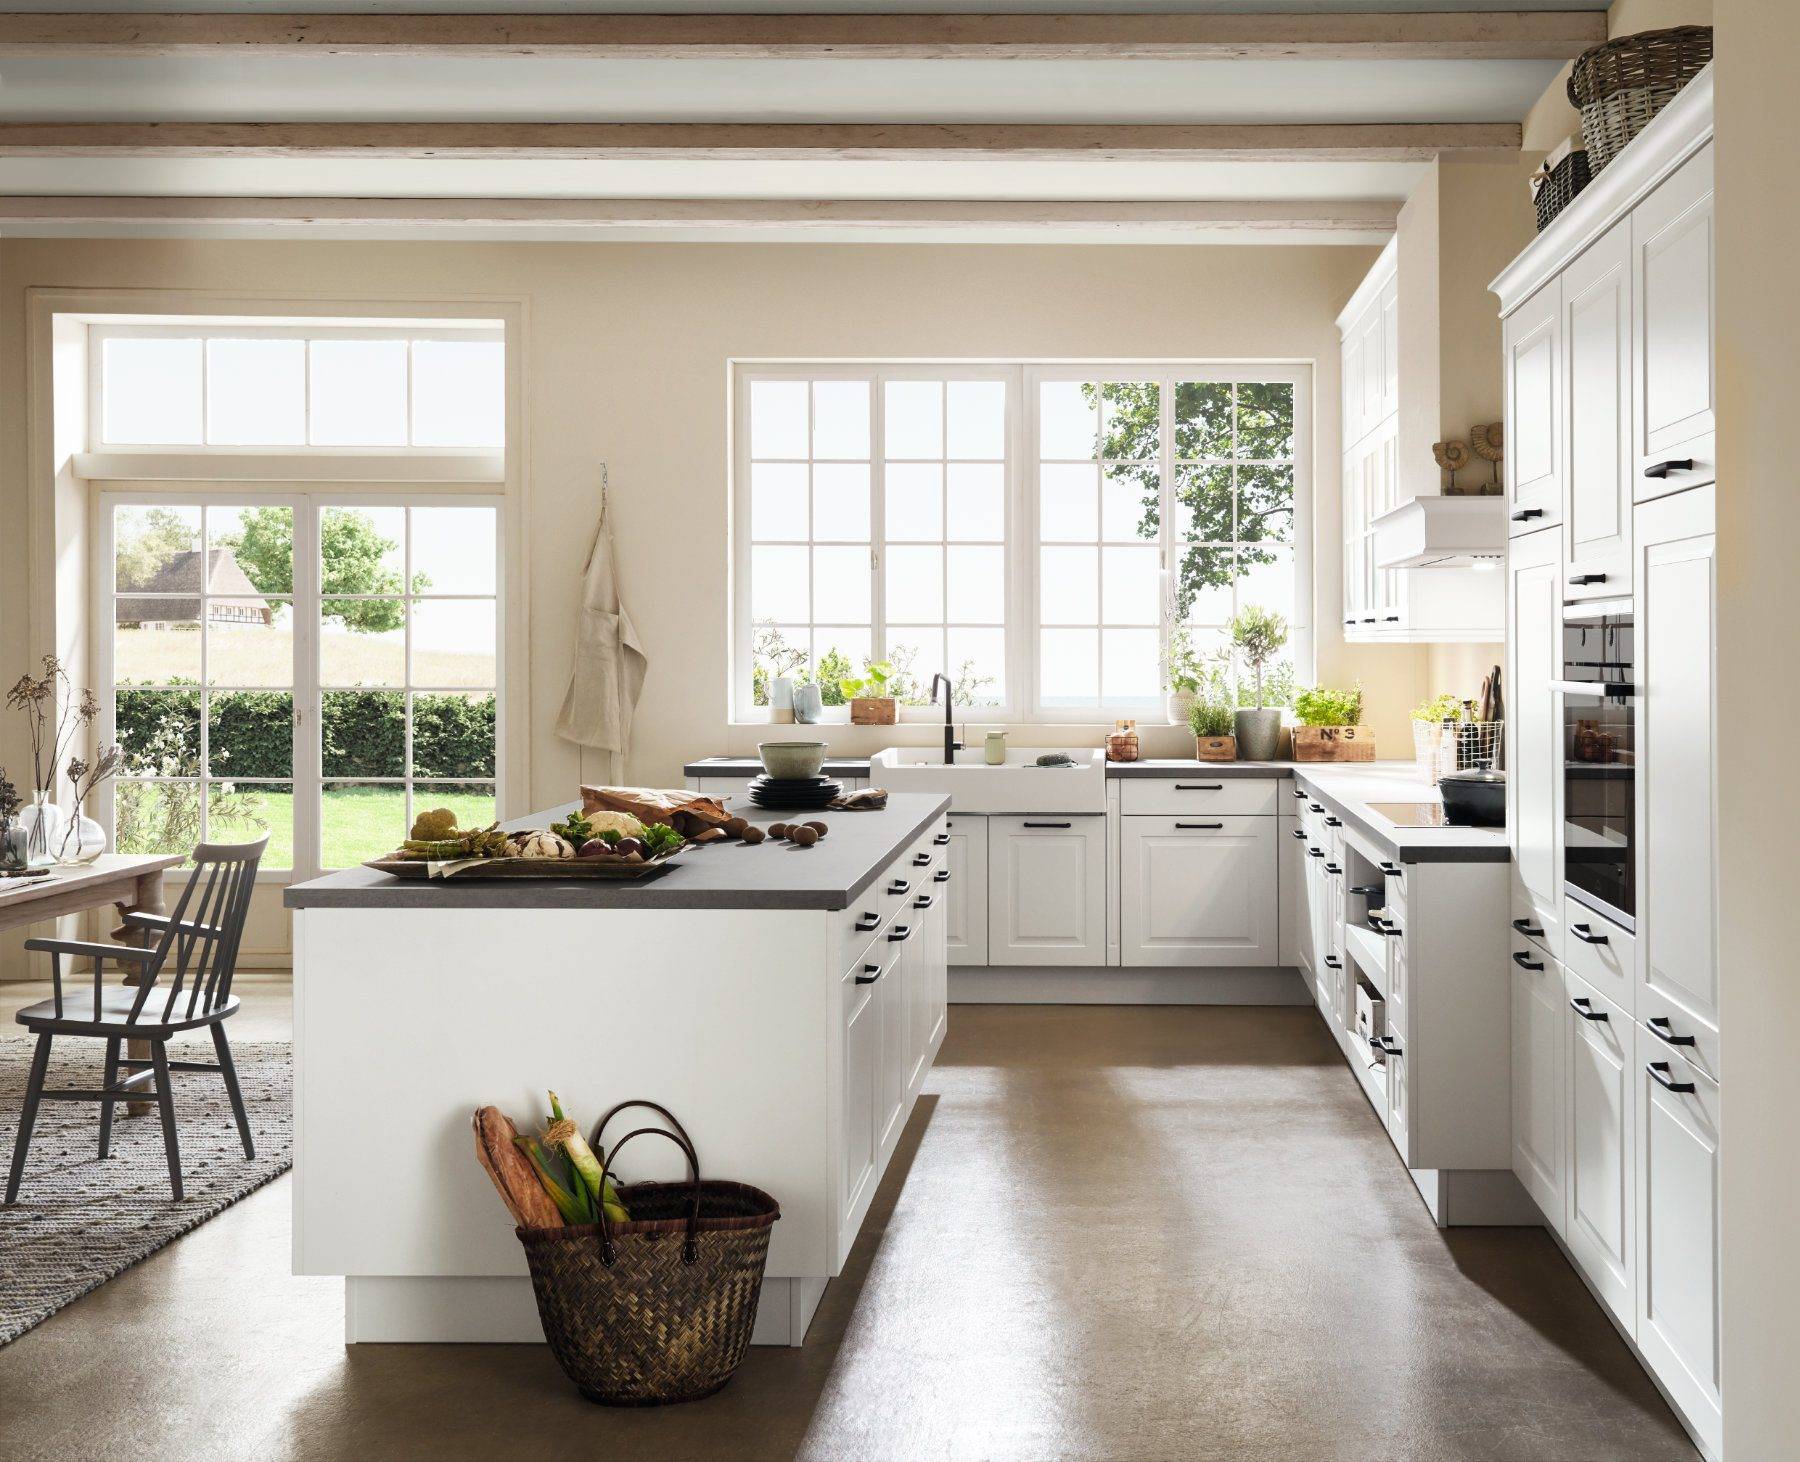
x=1118 y=1233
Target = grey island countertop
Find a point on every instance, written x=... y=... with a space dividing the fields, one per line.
x=727 y=875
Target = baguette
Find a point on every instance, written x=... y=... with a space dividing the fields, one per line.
x=514 y=1177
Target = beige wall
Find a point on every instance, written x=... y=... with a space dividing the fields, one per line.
x=1757 y=118
x=1552 y=118
x=625 y=360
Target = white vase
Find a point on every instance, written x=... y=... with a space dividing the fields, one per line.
x=1176 y=705
x=43 y=825
x=80 y=840
x=781 y=700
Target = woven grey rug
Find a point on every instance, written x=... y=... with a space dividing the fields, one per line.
x=79 y=1221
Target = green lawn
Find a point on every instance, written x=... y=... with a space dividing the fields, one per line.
x=356 y=822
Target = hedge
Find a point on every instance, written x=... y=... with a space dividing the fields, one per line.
x=251 y=734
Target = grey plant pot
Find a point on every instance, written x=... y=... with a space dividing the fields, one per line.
x=1259 y=734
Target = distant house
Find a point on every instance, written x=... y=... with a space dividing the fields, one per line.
x=171 y=596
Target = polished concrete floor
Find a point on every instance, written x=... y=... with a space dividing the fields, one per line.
x=1110 y=1233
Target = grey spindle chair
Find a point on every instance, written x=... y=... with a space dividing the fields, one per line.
x=196 y=948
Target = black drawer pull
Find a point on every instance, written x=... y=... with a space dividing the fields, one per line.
x=1525 y=515
x=1660 y=1071
x=1300 y=833
x=1333 y=868
x=1585 y=933
x=921 y=859
x=1392 y=619
x=1525 y=926
x=1368 y=619
x=1315 y=852
x=1579 y=579
x=870 y=974
x=923 y=901
x=1199 y=786
x=1370 y=890
x=1049 y=824
x=1663 y=469
x=1391 y=870
x=1525 y=961
x=941 y=876
x=899 y=886
x=1582 y=1007
x=1385 y=927
x=867 y=923
x=1660 y=1028
x=899 y=934
x=1299 y=795
x=1387 y=1045
x=1198 y=826
x=1332 y=962
x=1315 y=807
x=942 y=840
x=1334 y=822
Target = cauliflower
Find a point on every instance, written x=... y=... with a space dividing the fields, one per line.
x=438 y=823
x=623 y=823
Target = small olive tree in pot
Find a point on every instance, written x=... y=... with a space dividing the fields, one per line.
x=1257 y=636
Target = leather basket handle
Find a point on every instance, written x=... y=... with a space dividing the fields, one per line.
x=690 y=1253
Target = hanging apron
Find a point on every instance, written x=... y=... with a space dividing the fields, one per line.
x=610 y=662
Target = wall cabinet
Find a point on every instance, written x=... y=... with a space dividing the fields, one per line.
x=1675 y=384
x=1198 y=891
x=1596 y=328
x=966 y=890
x=1534 y=788
x=1532 y=340
x=1047 y=890
x=1539 y=1030
x=1598 y=1222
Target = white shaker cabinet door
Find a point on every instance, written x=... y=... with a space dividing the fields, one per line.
x=1198 y=890
x=858 y=1138
x=893 y=1001
x=1674 y=381
x=1677 y=932
x=1539 y=1089
x=1678 y=1230
x=1596 y=322
x=1532 y=336
x=1534 y=788
x=1047 y=890
x=1598 y=1226
x=966 y=890
x=1295 y=946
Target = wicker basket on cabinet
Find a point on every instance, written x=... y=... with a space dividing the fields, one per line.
x=1619 y=85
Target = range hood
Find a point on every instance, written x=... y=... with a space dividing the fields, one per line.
x=1442 y=532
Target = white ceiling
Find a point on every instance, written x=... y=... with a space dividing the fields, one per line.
x=788 y=7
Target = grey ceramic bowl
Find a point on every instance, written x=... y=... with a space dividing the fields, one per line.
x=792 y=760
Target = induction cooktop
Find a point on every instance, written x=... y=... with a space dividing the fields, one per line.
x=1413 y=814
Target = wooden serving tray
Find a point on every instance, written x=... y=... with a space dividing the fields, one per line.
x=546 y=868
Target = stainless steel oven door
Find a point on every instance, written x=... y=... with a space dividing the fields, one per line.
x=1599 y=760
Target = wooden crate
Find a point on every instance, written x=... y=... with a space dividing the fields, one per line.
x=1215 y=748
x=1334 y=743
x=872 y=711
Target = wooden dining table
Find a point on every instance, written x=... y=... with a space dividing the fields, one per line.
x=130 y=882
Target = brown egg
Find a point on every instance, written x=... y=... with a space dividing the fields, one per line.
x=778 y=829
x=753 y=834
x=820 y=828
x=735 y=826
x=804 y=836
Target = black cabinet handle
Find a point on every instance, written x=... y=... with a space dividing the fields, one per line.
x=1386 y=927
x=1391 y=870
x=1387 y=1045
x=899 y=934
x=1525 y=926
x=1300 y=833
x=1315 y=852
x=921 y=859
x=1332 y=962
x=1315 y=806
x=1585 y=933
x=1049 y=824
x=1587 y=578
x=1299 y=795
x=1660 y=1071
x=1525 y=962
x=1391 y=619
x=923 y=901
x=1334 y=822
x=1199 y=826
x=870 y=974
x=899 y=886
x=1370 y=890
x=1581 y=1006
x=1333 y=868
x=1663 y=469
x=1199 y=786
x=1660 y=1028
x=867 y=923
x=1368 y=619
x=942 y=840
x=1525 y=515
x=941 y=876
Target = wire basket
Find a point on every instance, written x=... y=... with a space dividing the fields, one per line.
x=1457 y=746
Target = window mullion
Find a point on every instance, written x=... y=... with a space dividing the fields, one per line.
x=878 y=646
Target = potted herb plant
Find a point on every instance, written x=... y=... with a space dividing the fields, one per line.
x=1212 y=721
x=1331 y=726
x=1258 y=636
x=871 y=704
x=1182 y=675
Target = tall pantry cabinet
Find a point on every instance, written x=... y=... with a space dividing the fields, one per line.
x=1610 y=385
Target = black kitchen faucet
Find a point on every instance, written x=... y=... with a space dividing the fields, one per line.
x=951 y=745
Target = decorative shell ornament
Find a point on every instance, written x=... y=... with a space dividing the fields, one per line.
x=544 y=845
x=1489 y=443
x=1452 y=456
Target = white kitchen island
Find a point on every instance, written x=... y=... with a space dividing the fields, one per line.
x=785 y=1003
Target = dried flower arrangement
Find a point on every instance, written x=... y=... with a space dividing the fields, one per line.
x=59 y=716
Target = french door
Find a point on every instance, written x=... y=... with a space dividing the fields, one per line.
x=317 y=666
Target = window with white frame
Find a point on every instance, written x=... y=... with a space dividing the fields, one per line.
x=317 y=664
x=1039 y=533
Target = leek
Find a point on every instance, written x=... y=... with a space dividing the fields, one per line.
x=575 y=1207
x=564 y=1134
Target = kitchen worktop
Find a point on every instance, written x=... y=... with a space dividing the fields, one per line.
x=1347 y=789
x=726 y=875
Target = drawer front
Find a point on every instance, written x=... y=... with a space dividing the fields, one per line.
x=857 y=926
x=1532 y=921
x=1170 y=796
x=1600 y=1228
x=1678 y=1032
x=1601 y=953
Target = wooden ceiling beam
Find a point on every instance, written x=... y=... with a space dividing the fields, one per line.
x=759 y=142
x=1357 y=216
x=1498 y=34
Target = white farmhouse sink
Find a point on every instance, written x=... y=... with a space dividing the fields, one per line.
x=1015 y=786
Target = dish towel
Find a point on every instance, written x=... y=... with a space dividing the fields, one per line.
x=610 y=662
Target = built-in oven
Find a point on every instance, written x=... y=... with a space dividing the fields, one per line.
x=1599 y=759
